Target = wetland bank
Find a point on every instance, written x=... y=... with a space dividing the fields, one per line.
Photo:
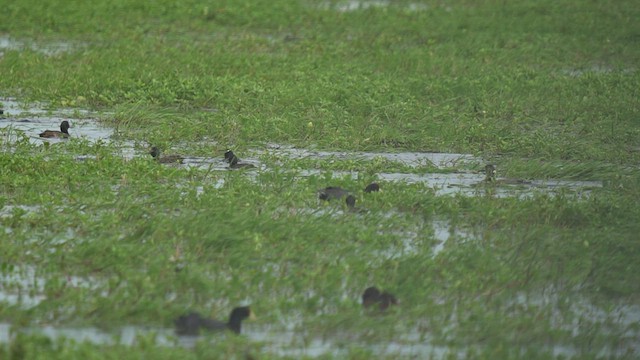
x=102 y=247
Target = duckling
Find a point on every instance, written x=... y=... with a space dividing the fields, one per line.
x=167 y=159
x=63 y=133
x=190 y=324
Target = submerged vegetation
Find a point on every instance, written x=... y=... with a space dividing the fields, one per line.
x=98 y=236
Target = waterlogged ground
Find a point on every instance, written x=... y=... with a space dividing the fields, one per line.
x=102 y=247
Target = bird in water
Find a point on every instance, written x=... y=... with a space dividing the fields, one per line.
x=336 y=192
x=63 y=133
x=372 y=296
x=166 y=159
x=234 y=161
x=192 y=323
x=490 y=177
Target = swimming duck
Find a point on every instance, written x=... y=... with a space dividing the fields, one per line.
x=336 y=192
x=191 y=323
x=167 y=159
x=63 y=133
x=234 y=161
x=373 y=187
x=490 y=177
x=373 y=296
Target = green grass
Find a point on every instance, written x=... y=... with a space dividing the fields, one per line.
x=547 y=90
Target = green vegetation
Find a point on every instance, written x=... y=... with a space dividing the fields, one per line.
x=545 y=89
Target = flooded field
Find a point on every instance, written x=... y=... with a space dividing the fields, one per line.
x=342 y=179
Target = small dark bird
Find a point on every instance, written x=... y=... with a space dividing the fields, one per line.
x=372 y=296
x=332 y=192
x=167 y=159
x=351 y=201
x=191 y=323
x=336 y=192
x=373 y=187
x=63 y=133
x=234 y=161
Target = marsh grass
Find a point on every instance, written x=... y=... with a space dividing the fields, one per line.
x=546 y=90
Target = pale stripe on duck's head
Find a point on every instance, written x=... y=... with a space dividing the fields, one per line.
x=229 y=156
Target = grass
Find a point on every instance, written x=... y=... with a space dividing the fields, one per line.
x=545 y=89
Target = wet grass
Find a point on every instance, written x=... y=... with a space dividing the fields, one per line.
x=546 y=90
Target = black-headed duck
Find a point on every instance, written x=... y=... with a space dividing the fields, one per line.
x=373 y=296
x=336 y=192
x=191 y=323
x=234 y=161
x=166 y=159
x=63 y=133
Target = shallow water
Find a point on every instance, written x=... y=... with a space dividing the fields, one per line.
x=34 y=119
x=356 y=5
x=412 y=159
x=50 y=48
x=24 y=287
x=281 y=342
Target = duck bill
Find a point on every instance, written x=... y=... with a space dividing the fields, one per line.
x=252 y=316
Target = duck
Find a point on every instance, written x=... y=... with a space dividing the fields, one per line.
x=373 y=187
x=167 y=159
x=350 y=200
x=336 y=192
x=373 y=296
x=234 y=161
x=63 y=133
x=191 y=323
x=490 y=177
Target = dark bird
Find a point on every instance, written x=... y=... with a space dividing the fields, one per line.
x=372 y=296
x=336 y=192
x=63 y=133
x=490 y=176
x=373 y=187
x=351 y=202
x=167 y=159
x=191 y=323
x=234 y=161
x=332 y=192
